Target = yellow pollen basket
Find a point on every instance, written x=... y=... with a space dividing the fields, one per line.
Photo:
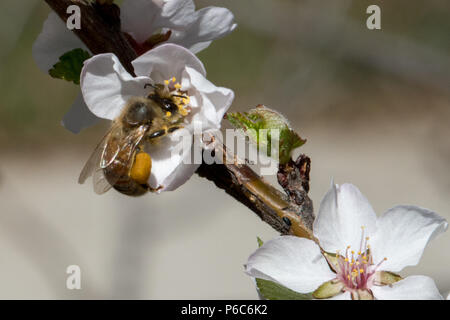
x=142 y=166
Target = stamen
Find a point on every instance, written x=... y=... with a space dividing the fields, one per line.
x=361 y=242
x=356 y=269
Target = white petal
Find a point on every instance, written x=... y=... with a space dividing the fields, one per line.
x=54 y=40
x=402 y=235
x=411 y=288
x=212 y=101
x=293 y=262
x=200 y=46
x=107 y=86
x=79 y=116
x=166 y=61
x=141 y=18
x=343 y=211
x=210 y=23
x=171 y=165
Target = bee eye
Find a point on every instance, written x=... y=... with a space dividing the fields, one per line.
x=169 y=105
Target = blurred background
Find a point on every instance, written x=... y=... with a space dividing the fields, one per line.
x=374 y=106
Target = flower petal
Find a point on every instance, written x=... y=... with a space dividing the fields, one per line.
x=210 y=23
x=211 y=101
x=171 y=160
x=410 y=288
x=166 y=61
x=293 y=262
x=195 y=48
x=343 y=211
x=141 y=18
x=79 y=116
x=107 y=86
x=54 y=40
x=402 y=235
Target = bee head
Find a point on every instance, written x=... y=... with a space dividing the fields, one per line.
x=166 y=104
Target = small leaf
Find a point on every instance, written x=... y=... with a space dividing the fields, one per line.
x=387 y=277
x=273 y=291
x=69 y=65
x=260 y=242
x=328 y=289
x=260 y=118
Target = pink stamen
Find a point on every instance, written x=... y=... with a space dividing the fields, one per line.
x=356 y=271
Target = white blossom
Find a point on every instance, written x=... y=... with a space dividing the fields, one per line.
x=141 y=20
x=107 y=86
x=360 y=251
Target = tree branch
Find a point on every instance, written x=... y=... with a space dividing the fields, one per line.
x=100 y=28
x=100 y=31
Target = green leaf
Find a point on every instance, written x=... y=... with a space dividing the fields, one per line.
x=69 y=65
x=262 y=117
x=260 y=242
x=273 y=291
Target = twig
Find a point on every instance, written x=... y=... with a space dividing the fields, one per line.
x=101 y=33
x=100 y=28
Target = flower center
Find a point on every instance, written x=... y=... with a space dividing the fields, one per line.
x=170 y=89
x=356 y=269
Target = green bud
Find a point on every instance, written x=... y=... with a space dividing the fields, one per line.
x=263 y=118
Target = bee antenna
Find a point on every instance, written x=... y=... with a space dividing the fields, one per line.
x=150 y=85
x=179 y=96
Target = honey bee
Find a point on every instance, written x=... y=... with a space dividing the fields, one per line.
x=119 y=160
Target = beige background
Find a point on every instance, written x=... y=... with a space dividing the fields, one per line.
x=374 y=106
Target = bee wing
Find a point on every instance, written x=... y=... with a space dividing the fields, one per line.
x=95 y=159
x=101 y=185
x=115 y=146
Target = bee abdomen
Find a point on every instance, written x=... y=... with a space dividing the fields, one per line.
x=130 y=187
x=131 y=182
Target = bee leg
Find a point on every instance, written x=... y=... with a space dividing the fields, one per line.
x=150 y=85
x=157 y=134
x=154 y=189
x=175 y=128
